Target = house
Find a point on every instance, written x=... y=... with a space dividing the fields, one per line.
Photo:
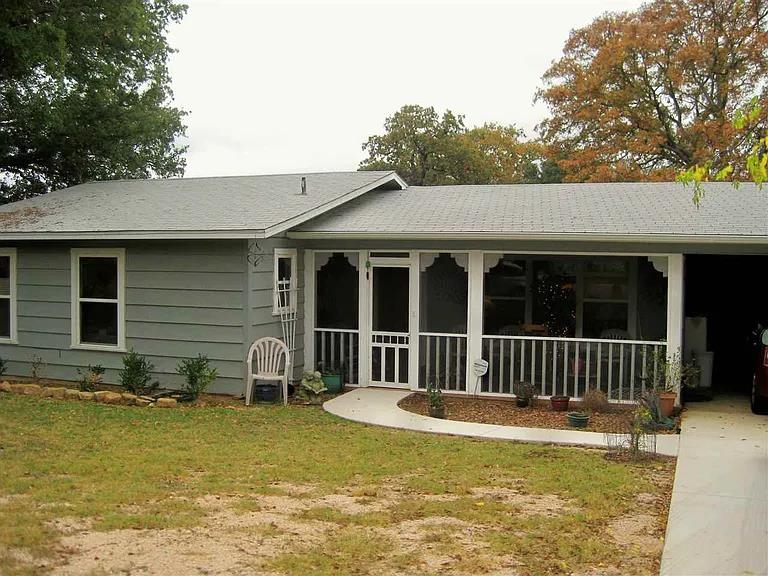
x=566 y=286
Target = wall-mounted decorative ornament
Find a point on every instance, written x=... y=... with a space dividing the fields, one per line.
x=255 y=254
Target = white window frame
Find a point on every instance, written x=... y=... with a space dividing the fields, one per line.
x=10 y=253
x=293 y=255
x=118 y=253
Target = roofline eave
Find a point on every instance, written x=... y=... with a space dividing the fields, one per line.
x=136 y=235
x=554 y=237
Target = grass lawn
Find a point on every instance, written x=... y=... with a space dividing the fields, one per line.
x=93 y=489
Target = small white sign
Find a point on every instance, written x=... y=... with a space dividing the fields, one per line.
x=480 y=367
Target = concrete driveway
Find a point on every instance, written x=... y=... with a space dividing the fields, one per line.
x=718 y=518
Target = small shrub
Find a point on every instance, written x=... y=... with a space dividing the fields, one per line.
x=595 y=401
x=524 y=390
x=38 y=367
x=198 y=374
x=434 y=396
x=136 y=375
x=3 y=366
x=90 y=377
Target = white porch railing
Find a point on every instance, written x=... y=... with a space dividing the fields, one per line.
x=568 y=366
x=338 y=349
x=443 y=360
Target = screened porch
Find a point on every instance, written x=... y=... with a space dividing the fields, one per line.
x=562 y=322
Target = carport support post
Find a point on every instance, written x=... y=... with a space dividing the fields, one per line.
x=675 y=308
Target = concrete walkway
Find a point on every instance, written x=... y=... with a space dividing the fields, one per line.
x=718 y=518
x=379 y=406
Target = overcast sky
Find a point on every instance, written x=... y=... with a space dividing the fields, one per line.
x=289 y=86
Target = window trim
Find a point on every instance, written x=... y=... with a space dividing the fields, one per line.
x=13 y=337
x=293 y=255
x=76 y=254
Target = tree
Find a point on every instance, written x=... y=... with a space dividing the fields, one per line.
x=427 y=149
x=754 y=164
x=418 y=144
x=84 y=93
x=639 y=95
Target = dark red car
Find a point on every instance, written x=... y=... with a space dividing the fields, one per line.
x=760 y=377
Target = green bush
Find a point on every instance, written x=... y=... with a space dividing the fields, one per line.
x=90 y=377
x=198 y=374
x=3 y=366
x=136 y=375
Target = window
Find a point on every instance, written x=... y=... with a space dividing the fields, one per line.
x=285 y=280
x=98 y=302
x=8 y=295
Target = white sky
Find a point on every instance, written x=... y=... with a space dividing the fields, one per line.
x=299 y=86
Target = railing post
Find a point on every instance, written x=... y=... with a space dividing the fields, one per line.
x=475 y=332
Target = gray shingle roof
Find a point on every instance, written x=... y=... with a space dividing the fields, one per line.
x=259 y=205
x=615 y=209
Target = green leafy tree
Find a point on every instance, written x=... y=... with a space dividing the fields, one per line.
x=640 y=95
x=84 y=93
x=418 y=143
x=428 y=149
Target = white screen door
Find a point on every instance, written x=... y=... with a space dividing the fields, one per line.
x=390 y=337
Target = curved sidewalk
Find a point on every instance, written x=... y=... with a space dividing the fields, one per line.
x=378 y=406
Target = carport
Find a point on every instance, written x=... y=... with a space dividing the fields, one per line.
x=730 y=292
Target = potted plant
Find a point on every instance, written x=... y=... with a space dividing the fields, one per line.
x=559 y=403
x=435 y=402
x=312 y=387
x=578 y=419
x=665 y=374
x=524 y=393
x=265 y=393
x=332 y=380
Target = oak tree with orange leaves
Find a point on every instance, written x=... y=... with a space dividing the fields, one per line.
x=640 y=95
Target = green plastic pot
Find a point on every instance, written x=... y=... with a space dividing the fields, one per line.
x=577 y=419
x=332 y=382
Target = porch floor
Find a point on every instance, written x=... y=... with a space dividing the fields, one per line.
x=718 y=516
x=378 y=406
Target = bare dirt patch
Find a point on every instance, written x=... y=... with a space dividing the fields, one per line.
x=506 y=413
x=233 y=541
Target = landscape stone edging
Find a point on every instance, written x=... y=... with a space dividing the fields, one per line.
x=100 y=396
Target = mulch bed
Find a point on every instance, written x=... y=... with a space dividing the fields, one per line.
x=506 y=413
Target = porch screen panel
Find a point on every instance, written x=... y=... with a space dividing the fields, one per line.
x=443 y=311
x=606 y=297
x=504 y=294
x=554 y=295
x=336 y=313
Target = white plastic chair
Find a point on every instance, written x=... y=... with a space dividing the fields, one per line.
x=265 y=359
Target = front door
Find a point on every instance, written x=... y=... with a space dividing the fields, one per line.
x=390 y=336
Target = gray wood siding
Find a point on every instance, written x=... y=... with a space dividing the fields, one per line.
x=262 y=322
x=182 y=298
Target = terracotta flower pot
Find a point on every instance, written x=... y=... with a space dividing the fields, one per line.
x=667 y=403
x=559 y=403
